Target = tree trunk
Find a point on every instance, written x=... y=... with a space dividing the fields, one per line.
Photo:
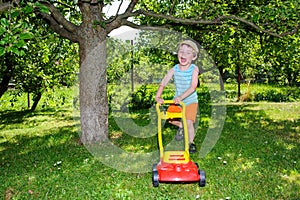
x=239 y=82
x=4 y=84
x=221 y=78
x=35 y=101
x=6 y=75
x=93 y=92
x=238 y=75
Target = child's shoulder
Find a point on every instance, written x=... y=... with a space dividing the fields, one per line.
x=196 y=67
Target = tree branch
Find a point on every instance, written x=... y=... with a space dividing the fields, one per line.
x=59 y=18
x=174 y=19
x=5 y=6
x=112 y=18
x=217 y=21
x=173 y=6
x=56 y=27
x=291 y=32
x=119 y=19
x=249 y=24
x=145 y=27
x=119 y=7
x=131 y=6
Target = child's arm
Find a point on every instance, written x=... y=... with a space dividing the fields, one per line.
x=192 y=87
x=162 y=85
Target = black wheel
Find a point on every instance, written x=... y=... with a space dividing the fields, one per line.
x=155 y=181
x=154 y=167
x=202 y=180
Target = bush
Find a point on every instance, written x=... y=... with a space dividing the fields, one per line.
x=203 y=95
x=277 y=94
x=144 y=96
x=263 y=92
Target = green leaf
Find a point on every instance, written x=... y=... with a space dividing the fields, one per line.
x=15 y=14
x=255 y=18
x=27 y=9
x=5 y=40
x=2 y=51
x=15 y=50
x=226 y=36
x=21 y=53
x=4 y=22
x=2 y=30
x=42 y=8
x=26 y=36
x=20 y=43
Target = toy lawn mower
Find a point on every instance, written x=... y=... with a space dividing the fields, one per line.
x=175 y=166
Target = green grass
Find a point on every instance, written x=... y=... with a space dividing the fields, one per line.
x=256 y=156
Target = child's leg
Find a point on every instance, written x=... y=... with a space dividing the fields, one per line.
x=191 y=114
x=175 y=122
x=191 y=130
x=190 y=127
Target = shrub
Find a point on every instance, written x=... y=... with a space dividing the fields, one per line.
x=144 y=96
x=277 y=94
x=203 y=94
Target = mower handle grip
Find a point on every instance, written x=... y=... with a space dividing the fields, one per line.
x=172 y=102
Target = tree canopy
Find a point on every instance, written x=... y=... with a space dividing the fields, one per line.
x=34 y=58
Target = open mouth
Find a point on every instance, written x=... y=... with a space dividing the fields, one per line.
x=183 y=60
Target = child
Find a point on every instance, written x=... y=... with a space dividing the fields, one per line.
x=186 y=80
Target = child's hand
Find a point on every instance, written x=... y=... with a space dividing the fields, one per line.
x=177 y=100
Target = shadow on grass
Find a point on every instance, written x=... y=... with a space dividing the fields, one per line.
x=55 y=166
x=32 y=166
x=10 y=117
x=14 y=117
x=247 y=123
x=258 y=151
x=246 y=127
x=24 y=152
x=251 y=131
x=255 y=153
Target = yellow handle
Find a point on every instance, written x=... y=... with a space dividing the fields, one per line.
x=172 y=102
x=159 y=118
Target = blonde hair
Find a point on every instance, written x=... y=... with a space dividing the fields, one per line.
x=191 y=44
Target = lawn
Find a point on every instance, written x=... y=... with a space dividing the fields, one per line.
x=255 y=157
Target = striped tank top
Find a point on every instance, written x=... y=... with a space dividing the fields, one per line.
x=183 y=80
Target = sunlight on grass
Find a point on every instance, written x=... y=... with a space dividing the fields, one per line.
x=33 y=126
x=256 y=157
x=115 y=134
x=286 y=145
x=292 y=176
x=279 y=111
